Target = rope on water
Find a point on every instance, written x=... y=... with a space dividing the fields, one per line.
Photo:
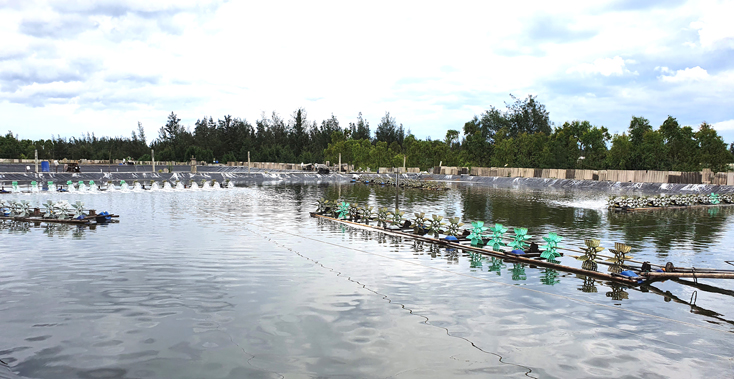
x=386 y=297
x=663 y=318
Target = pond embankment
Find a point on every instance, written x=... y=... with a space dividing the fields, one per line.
x=240 y=176
x=6 y=179
x=587 y=185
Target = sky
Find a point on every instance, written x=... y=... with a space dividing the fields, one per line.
x=74 y=67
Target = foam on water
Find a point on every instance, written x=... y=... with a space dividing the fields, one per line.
x=598 y=204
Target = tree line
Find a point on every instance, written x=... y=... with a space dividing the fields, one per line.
x=520 y=134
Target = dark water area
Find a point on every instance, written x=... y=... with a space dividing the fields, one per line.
x=243 y=283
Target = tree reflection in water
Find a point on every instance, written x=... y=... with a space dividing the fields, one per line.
x=537 y=209
x=668 y=229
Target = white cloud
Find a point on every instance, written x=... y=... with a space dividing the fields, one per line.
x=724 y=125
x=687 y=75
x=603 y=66
x=137 y=60
x=715 y=27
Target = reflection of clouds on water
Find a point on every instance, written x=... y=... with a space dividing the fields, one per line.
x=244 y=283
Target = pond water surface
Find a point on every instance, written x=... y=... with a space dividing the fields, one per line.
x=243 y=283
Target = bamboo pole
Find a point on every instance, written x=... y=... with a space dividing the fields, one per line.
x=705 y=287
x=674 y=275
x=503 y=255
x=581 y=251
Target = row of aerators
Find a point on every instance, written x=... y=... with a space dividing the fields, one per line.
x=660 y=201
x=493 y=241
x=81 y=186
x=52 y=212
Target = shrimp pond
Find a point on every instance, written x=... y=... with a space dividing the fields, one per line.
x=243 y=283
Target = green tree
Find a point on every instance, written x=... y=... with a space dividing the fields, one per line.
x=388 y=131
x=593 y=142
x=528 y=116
x=299 y=126
x=505 y=149
x=651 y=153
x=172 y=129
x=173 y=140
x=521 y=116
x=425 y=154
x=682 y=147
x=563 y=147
x=619 y=156
x=229 y=157
x=637 y=129
x=379 y=155
x=713 y=152
x=360 y=130
x=476 y=148
x=452 y=139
